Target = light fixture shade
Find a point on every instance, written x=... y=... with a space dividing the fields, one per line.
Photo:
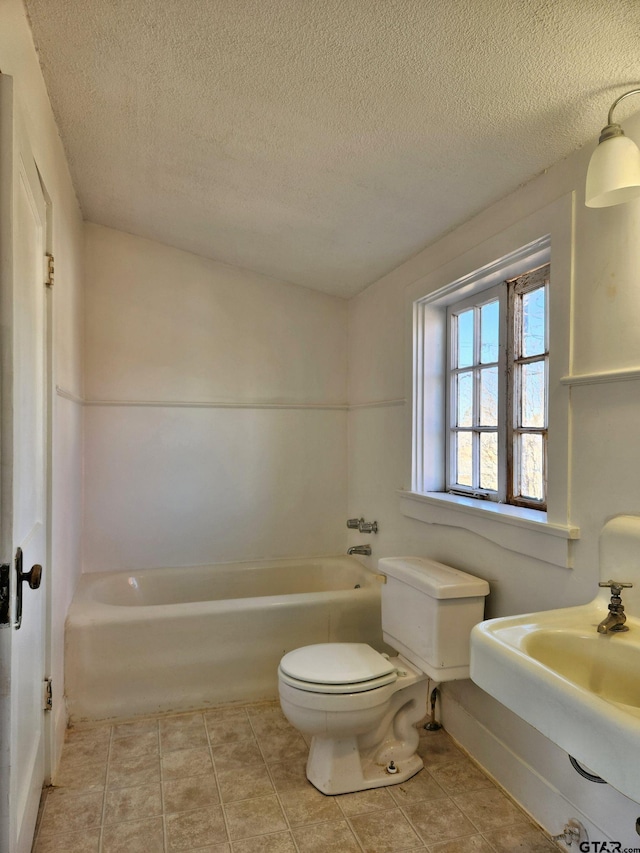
x=613 y=176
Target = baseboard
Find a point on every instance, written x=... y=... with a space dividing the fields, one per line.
x=57 y=731
x=536 y=795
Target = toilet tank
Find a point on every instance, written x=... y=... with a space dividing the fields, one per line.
x=428 y=611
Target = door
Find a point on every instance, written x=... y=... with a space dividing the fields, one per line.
x=23 y=510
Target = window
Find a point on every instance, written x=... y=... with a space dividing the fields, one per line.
x=518 y=499
x=497 y=392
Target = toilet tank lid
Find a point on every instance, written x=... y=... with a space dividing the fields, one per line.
x=435 y=579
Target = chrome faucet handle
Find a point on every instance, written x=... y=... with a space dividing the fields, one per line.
x=354 y=523
x=368 y=526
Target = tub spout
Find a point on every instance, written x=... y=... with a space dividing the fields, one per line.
x=365 y=550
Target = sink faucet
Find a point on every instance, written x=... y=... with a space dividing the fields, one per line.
x=365 y=550
x=614 y=622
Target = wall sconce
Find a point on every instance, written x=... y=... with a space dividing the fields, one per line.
x=613 y=176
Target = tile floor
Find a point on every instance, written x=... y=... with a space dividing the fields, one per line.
x=232 y=781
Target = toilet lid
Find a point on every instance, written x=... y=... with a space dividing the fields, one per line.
x=343 y=689
x=337 y=664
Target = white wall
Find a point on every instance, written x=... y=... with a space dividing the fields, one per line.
x=18 y=59
x=604 y=464
x=215 y=413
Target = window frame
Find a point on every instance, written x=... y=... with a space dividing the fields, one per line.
x=544 y=536
x=429 y=357
x=517 y=288
x=496 y=293
x=509 y=295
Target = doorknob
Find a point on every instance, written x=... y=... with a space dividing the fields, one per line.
x=33 y=577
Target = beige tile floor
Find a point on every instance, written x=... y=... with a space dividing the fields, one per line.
x=232 y=780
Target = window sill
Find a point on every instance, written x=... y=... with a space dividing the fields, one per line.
x=525 y=531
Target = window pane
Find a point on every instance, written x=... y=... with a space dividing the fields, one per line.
x=531 y=466
x=533 y=316
x=464 y=459
x=489 y=396
x=489 y=332
x=533 y=395
x=465 y=399
x=465 y=338
x=489 y=460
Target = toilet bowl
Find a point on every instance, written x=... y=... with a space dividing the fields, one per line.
x=360 y=707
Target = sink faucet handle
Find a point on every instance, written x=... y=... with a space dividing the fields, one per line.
x=354 y=523
x=615 y=586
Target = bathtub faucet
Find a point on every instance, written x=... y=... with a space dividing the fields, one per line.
x=365 y=550
x=362 y=525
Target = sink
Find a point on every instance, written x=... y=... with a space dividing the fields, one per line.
x=579 y=688
x=607 y=665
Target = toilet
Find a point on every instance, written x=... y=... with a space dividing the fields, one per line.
x=360 y=707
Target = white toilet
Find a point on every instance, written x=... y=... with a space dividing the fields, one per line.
x=360 y=707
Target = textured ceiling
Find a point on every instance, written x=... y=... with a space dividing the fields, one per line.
x=322 y=142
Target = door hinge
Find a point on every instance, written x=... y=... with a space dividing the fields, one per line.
x=50 y=270
x=48 y=695
x=5 y=594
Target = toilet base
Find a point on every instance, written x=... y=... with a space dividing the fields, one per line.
x=338 y=766
x=357 y=762
x=355 y=736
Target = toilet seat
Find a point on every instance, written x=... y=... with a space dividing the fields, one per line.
x=336 y=668
x=356 y=687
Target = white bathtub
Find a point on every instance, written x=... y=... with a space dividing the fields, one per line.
x=178 y=638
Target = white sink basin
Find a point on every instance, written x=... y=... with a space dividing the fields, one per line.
x=606 y=665
x=579 y=688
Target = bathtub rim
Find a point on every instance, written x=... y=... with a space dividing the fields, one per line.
x=85 y=610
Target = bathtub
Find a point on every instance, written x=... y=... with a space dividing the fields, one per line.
x=173 y=639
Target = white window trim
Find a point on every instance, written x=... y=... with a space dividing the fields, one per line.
x=543 y=236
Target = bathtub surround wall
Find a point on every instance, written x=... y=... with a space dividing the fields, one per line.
x=19 y=60
x=215 y=411
x=603 y=468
